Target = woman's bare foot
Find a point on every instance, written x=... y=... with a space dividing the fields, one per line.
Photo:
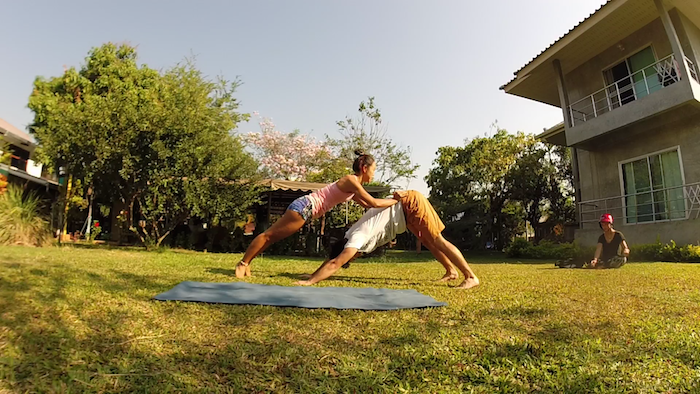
x=242 y=270
x=449 y=276
x=303 y=283
x=468 y=283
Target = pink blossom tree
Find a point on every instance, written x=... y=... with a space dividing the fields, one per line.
x=291 y=156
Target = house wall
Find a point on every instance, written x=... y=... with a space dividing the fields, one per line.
x=588 y=78
x=600 y=177
x=683 y=232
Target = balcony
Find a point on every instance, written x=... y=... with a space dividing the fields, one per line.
x=647 y=206
x=640 y=84
x=18 y=163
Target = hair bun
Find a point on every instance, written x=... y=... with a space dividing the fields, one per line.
x=359 y=152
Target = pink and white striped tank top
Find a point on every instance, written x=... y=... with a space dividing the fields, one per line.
x=328 y=197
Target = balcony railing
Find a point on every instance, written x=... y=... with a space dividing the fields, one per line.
x=693 y=70
x=649 y=206
x=642 y=83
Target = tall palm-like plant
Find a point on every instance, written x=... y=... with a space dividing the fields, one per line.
x=20 y=220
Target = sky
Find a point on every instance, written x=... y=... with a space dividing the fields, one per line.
x=434 y=67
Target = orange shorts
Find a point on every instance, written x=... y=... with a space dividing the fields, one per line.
x=421 y=218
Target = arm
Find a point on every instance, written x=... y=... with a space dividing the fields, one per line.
x=330 y=267
x=596 y=256
x=625 y=248
x=349 y=184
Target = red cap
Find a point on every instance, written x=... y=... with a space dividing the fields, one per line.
x=606 y=218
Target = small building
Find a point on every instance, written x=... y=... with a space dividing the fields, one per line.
x=627 y=81
x=23 y=169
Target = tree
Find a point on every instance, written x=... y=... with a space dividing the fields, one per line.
x=529 y=181
x=367 y=132
x=490 y=186
x=292 y=156
x=161 y=143
x=479 y=175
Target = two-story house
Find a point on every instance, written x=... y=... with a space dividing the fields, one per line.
x=627 y=81
x=22 y=168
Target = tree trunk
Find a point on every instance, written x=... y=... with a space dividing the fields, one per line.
x=91 y=199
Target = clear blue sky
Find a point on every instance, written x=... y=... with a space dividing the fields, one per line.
x=434 y=66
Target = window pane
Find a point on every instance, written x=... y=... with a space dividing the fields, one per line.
x=673 y=182
x=638 y=62
x=654 y=188
x=645 y=208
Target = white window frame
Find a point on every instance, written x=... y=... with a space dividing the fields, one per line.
x=676 y=148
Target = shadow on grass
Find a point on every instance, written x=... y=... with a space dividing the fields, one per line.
x=53 y=345
x=222 y=271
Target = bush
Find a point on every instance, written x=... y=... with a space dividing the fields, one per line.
x=690 y=253
x=520 y=247
x=20 y=222
x=645 y=252
x=665 y=252
x=547 y=250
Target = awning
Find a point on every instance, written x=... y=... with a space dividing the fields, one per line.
x=25 y=175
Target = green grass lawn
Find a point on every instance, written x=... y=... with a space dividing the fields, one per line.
x=82 y=320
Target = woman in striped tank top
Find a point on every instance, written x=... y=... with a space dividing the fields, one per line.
x=314 y=205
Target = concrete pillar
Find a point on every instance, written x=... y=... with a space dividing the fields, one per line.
x=577 y=182
x=673 y=38
x=563 y=93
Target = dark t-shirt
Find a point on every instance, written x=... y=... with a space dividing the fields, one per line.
x=610 y=249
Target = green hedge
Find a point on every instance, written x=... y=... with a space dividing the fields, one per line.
x=521 y=248
x=548 y=250
x=665 y=252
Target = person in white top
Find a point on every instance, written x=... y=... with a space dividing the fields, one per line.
x=378 y=226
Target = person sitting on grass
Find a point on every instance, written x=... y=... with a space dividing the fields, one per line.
x=612 y=250
x=378 y=226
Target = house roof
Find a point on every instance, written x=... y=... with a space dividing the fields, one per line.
x=15 y=132
x=277 y=184
x=556 y=41
x=554 y=135
x=607 y=26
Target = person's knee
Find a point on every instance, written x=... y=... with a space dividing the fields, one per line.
x=441 y=242
x=269 y=236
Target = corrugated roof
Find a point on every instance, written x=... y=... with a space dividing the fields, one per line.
x=552 y=44
x=278 y=184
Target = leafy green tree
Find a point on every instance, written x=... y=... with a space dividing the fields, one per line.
x=367 y=132
x=161 y=143
x=491 y=185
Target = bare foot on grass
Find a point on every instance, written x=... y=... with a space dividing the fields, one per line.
x=243 y=271
x=468 y=283
x=448 y=277
x=303 y=283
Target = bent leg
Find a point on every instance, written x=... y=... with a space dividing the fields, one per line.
x=287 y=225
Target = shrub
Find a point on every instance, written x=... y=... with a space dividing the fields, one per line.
x=690 y=253
x=547 y=250
x=670 y=252
x=646 y=252
x=520 y=247
x=20 y=222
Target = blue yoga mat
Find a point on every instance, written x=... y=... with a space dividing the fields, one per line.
x=299 y=296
